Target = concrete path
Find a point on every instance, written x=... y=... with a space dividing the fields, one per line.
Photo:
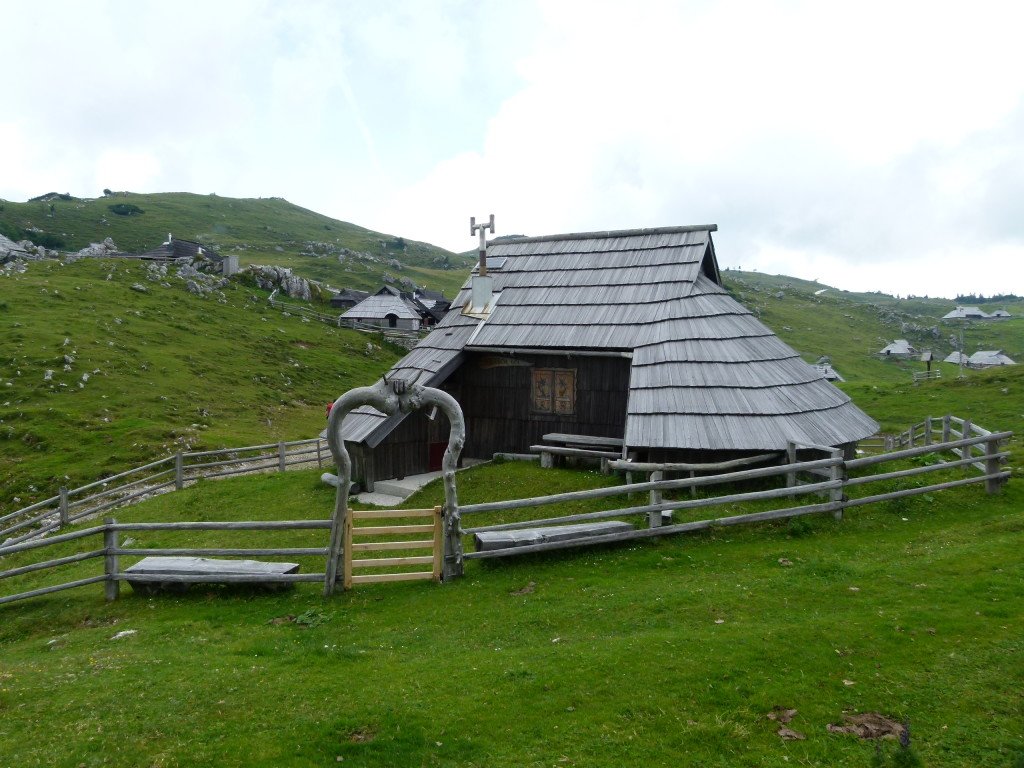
x=389 y=493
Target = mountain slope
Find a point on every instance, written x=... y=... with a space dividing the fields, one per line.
x=136 y=375
x=265 y=230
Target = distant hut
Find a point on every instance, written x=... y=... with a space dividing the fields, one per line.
x=957 y=358
x=900 y=348
x=989 y=359
x=1000 y=314
x=347 y=298
x=175 y=249
x=388 y=308
x=627 y=335
x=965 y=313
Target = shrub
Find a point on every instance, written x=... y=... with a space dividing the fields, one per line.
x=46 y=239
x=126 y=209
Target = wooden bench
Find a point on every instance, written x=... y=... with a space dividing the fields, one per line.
x=522 y=537
x=604 y=449
x=153 y=574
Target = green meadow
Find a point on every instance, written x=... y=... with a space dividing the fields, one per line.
x=668 y=652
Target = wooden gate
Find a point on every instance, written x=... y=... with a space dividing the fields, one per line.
x=354 y=531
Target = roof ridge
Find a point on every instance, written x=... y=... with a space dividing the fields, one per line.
x=608 y=233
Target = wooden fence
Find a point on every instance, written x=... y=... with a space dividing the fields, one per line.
x=837 y=481
x=72 y=505
x=830 y=478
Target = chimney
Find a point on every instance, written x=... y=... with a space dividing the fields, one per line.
x=483 y=284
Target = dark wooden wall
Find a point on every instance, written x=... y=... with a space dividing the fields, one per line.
x=497 y=401
x=495 y=395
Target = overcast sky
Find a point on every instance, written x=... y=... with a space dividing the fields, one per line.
x=869 y=145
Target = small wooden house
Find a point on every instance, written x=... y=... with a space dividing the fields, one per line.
x=900 y=348
x=965 y=313
x=175 y=249
x=625 y=334
x=347 y=298
x=388 y=308
x=989 y=358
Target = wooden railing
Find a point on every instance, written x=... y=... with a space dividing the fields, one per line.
x=828 y=477
x=837 y=480
x=72 y=505
x=111 y=551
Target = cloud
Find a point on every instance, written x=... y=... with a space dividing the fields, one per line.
x=820 y=137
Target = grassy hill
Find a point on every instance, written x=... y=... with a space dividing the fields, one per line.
x=662 y=653
x=669 y=652
x=262 y=231
x=138 y=375
x=850 y=328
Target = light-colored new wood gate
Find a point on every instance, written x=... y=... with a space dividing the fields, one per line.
x=354 y=531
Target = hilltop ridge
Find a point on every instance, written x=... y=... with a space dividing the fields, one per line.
x=257 y=230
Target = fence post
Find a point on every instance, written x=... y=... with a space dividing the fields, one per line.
x=838 y=495
x=179 y=471
x=967 y=451
x=945 y=428
x=993 y=484
x=319 y=459
x=790 y=459
x=928 y=430
x=910 y=433
x=280 y=457
x=63 y=506
x=654 y=518
x=112 y=587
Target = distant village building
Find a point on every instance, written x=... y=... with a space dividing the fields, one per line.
x=999 y=314
x=392 y=308
x=175 y=249
x=828 y=372
x=957 y=358
x=900 y=348
x=965 y=313
x=347 y=298
x=989 y=359
x=626 y=335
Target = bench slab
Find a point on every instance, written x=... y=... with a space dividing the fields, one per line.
x=165 y=572
x=488 y=540
x=583 y=440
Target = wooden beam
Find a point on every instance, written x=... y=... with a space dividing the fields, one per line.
x=376 y=530
x=387 y=562
x=370 y=546
x=379 y=578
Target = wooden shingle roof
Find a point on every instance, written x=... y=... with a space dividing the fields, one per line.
x=705 y=373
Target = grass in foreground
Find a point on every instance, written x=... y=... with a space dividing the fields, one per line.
x=663 y=653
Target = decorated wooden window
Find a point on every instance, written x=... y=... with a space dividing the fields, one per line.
x=554 y=391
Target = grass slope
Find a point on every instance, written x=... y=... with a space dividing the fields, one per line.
x=667 y=652
x=851 y=328
x=664 y=653
x=154 y=372
x=265 y=230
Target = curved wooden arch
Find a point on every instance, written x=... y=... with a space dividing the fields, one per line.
x=390 y=397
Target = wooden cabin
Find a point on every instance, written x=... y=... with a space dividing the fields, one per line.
x=628 y=335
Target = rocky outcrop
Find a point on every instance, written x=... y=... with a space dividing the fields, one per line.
x=281 y=278
x=102 y=250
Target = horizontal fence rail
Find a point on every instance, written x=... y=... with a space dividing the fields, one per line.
x=113 y=550
x=169 y=473
x=804 y=473
x=964 y=452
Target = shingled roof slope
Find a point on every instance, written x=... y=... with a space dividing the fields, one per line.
x=706 y=374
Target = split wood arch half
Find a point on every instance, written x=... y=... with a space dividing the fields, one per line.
x=390 y=397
